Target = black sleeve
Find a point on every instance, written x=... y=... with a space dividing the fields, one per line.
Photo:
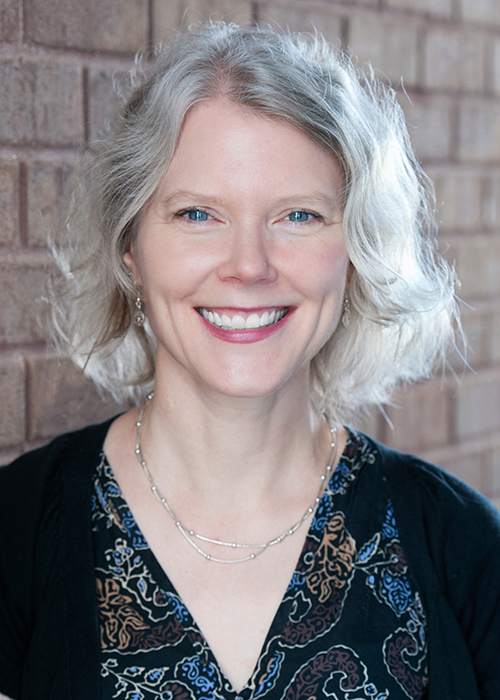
x=454 y=536
x=22 y=488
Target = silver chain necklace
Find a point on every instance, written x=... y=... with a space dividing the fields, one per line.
x=191 y=536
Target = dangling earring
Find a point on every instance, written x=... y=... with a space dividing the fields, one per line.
x=138 y=314
x=346 y=313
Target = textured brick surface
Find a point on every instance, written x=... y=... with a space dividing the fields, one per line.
x=21 y=291
x=459 y=197
x=440 y=8
x=477 y=406
x=9 y=204
x=9 y=20
x=479 y=267
x=476 y=328
x=369 y=424
x=470 y=469
x=12 y=383
x=107 y=93
x=171 y=14
x=40 y=103
x=113 y=25
x=302 y=20
x=495 y=66
x=429 y=125
x=62 y=399
x=420 y=418
x=494 y=347
x=479 y=132
x=390 y=46
x=455 y=61
x=484 y=11
x=495 y=473
x=482 y=327
x=49 y=189
x=467 y=198
x=491 y=200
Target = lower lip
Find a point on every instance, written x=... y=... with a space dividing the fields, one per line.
x=252 y=335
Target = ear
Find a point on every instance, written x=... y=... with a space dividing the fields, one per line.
x=130 y=262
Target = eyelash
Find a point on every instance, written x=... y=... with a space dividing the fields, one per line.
x=183 y=214
x=316 y=217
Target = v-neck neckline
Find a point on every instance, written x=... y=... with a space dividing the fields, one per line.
x=282 y=615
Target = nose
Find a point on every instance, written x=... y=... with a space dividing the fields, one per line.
x=247 y=256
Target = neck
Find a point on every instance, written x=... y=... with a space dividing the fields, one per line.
x=213 y=446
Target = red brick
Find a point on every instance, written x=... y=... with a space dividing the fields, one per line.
x=479 y=266
x=62 y=399
x=495 y=474
x=12 y=416
x=477 y=405
x=371 y=425
x=495 y=67
x=113 y=25
x=40 y=104
x=8 y=455
x=440 y=8
x=300 y=19
x=107 y=93
x=491 y=200
x=429 y=125
x=482 y=328
x=169 y=15
x=420 y=417
x=9 y=203
x=459 y=197
x=49 y=190
x=470 y=469
x=476 y=328
x=484 y=11
x=58 y=100
x=479 y=131
x=455 y=61
x=9 y=20
x=21 y=290
x=494 y=347
x=390 y=46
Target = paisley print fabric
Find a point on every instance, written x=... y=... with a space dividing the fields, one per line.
x=351 y=625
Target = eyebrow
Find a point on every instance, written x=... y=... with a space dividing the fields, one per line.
x=312 y=199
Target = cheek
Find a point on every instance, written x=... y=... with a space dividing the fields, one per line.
x=323 y=270
x=173 y=268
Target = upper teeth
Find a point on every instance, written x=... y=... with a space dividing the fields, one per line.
x=238 y=322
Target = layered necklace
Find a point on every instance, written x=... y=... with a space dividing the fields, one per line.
x=194 y=537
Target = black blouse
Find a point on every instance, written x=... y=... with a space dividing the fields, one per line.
x=351 y=625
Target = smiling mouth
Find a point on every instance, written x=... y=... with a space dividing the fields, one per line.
x=240 y=323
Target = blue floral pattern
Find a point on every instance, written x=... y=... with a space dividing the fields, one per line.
x=351 y=625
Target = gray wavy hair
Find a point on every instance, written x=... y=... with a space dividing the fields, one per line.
x=402 y=293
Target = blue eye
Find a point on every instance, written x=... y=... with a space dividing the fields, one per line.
x=197 y=215
x=299 y=216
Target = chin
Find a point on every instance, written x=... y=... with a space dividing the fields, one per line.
x=250 y=385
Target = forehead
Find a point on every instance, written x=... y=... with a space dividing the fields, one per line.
x=222 y=144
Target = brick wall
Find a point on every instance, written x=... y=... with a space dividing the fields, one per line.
x=59 y=61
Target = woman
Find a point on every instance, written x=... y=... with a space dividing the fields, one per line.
x=258 y=241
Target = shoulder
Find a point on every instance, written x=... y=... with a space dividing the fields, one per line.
x=446 y=526
x=28 y=481
x=431 y=490
x=451 y=534
x=59 y=449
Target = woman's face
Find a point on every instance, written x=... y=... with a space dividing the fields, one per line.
x=241 y=253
